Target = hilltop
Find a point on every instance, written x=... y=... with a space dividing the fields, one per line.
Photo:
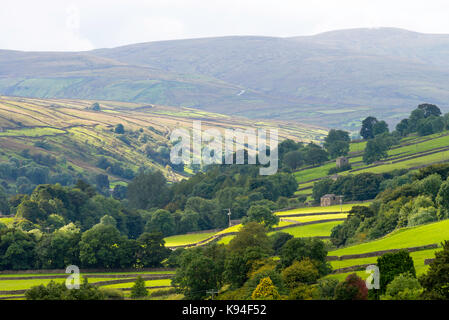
x=333 y=79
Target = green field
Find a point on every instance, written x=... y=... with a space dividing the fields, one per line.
x=148 y=283
x=319 y=217
x=418 y=259
x=404 y=238
x=312 y=230
x=31 y=132
x=335 y=208
x=186 y=239
x=28 y=283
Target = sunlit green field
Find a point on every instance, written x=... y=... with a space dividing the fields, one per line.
x=28 y=283
x=335 y=208
x=312 y=230
x=418 y=259
x=31 y=132
x=404 y=238
x=148 y=283
x=185 y=239
x=319 y=217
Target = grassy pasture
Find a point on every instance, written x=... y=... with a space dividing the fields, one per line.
x=148 y=283
x=20 y=284
x=418 y=259
x=312 y=230
x=319 y=217
x=335 y=208
x=31 y=132
x=404 y=238
x=185 y=239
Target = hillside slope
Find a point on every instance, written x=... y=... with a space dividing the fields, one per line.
x=62 y=140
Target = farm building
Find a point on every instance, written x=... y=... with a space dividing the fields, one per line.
x=341 y=162
x=330 y=199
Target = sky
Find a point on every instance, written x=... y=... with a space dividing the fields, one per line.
x=64 y=25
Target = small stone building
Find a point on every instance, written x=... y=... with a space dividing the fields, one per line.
x=330 y=199
x=342 y=161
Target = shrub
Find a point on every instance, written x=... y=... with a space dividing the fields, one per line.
x=112 y=294
x=326 y=289
x=403 y=287
x=303 y=272
x=424 y=215
x=353 y=288
x=392 y=264
x=303 y=292
x=138 y=290
x=265 y=290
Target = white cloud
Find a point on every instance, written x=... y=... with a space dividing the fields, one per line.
x=49 y=24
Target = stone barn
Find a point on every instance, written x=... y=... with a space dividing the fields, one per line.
x=342 y=161
x=330 y=199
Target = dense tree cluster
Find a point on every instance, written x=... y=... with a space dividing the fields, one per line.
x=358 y=187
x=247 y=265
x=404 y=201
x=293 y=155
x=425 y=119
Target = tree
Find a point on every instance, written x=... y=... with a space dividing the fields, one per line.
x=301 y=248
x=100 y=246
x=16 y=250
x=59 y=291
x=361 y=212
x=403 y=127
x=119 y=129
x=367 y=130
x=376 y=149
x=262 y=214
x=380 y=127
x=278 y=240
x=265 y=290
x=392 y=264
x=59 y=249
x=250 y=245
x=442 y=199
x=430 y=110
x=415 y=118
x=251 y=235
x=293 y=159
x=314 y=154
x=102 y=181
x=320 y=188
x=197 y=273
x=304 y=272
x=403 y=287
x=435 y=281
x=138 y=290
x=161 y=221
x=148 y=190
x=151 y=250
x=353 y=288
x=29 y=209
x=337 y=143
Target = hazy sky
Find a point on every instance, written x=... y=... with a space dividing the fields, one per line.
x=63 y=25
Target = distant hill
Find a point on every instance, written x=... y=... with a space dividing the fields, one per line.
x=332 y=79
